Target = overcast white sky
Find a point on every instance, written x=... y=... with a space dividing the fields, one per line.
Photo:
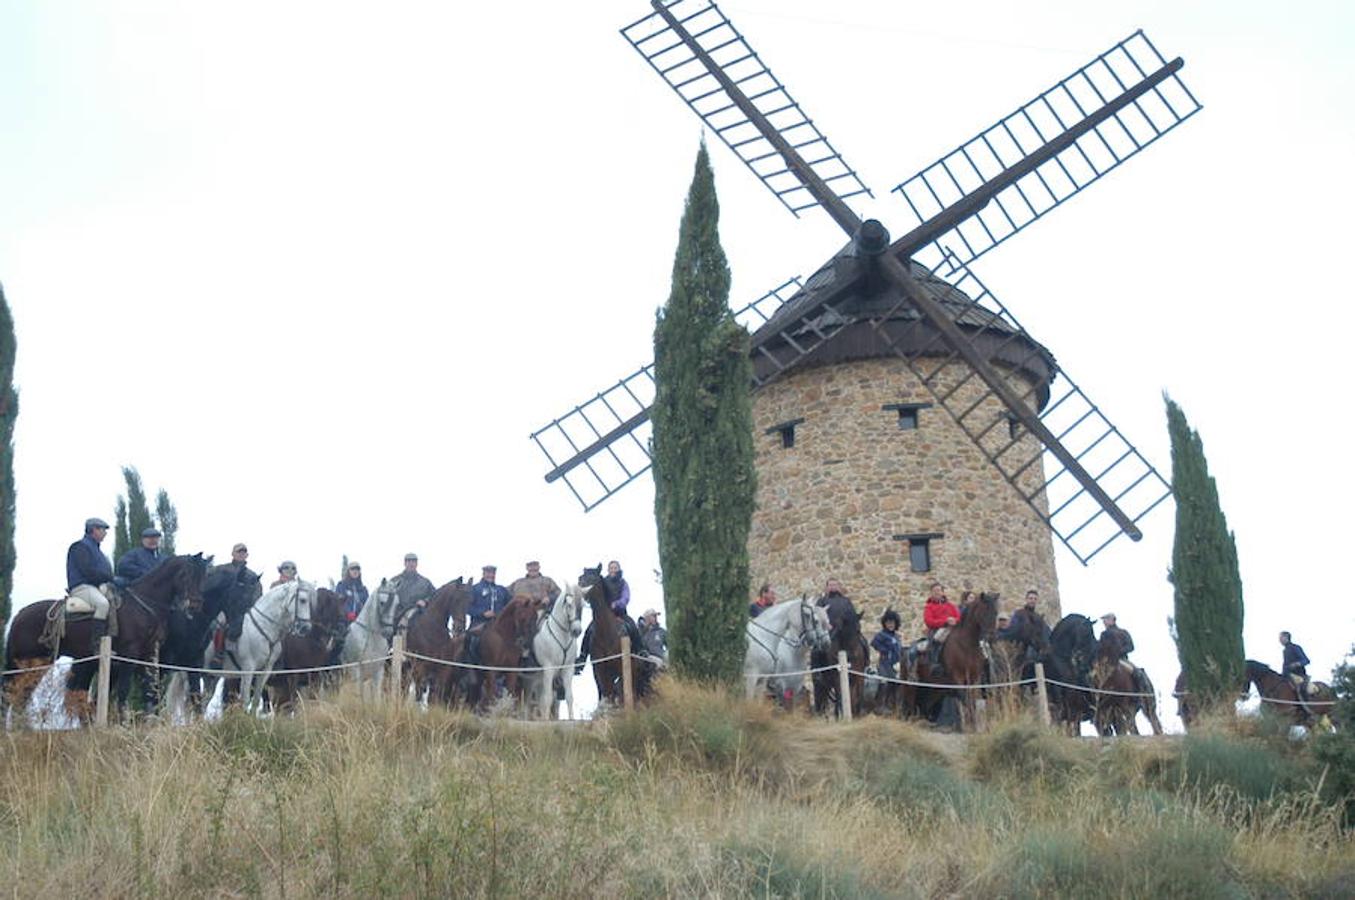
x=319 y=268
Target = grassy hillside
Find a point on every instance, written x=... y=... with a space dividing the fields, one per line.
x=697 y=795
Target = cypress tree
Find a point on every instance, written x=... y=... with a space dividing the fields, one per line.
x=168 y=518
x=138 y=516
x=703 y=448
x=9 y=412
x=1204 y=573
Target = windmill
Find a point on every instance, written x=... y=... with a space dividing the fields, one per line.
x=904 y=324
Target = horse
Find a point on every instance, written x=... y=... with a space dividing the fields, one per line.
x=844 y=636
x=142 y=621
x=1014 y=654
x=369 y=638
x=780 y=640
x=308 y=651
x=962 y=660
x=266 y=625
x=500 y=647
x=1115 y=713
x=223 y=589
x=426 y=634
x=1272 y=686
x=1072 y=648
x=555 y=648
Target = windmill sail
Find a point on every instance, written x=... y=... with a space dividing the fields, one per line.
x=1044 y=153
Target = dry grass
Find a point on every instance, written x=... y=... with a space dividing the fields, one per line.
x=699 y=794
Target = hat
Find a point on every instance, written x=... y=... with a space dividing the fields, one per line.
x=411 y=557
x=150 y=532
x=489 y=568
x=286 y=564
x=354 y=564
x=95 y=523
x=651 y=613
x=533 y=562
x=239 y=548
x=1110 y=616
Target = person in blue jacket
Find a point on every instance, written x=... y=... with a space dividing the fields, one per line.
x=353 y=591
x=140 y=560
x=87 y=570
x=487 y=598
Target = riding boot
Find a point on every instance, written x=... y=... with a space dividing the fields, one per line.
x=584 y=646
x=97 y=629
x=934 y=657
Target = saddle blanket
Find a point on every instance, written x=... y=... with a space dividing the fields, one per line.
x=77 y=606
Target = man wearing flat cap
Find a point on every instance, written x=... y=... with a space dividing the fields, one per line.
x=487 y=598
x=140 y=560
x=87 y=570
x=411 y=588
x=541 y=588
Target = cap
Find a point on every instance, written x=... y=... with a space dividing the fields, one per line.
x=489 y=568
x=239 y=548
x=1110 y=616
x=95 y=523
x=150 y=532
x=354 y=564
x=286 y=564
x=533 y=562
x=411 y=557
x=651 y=613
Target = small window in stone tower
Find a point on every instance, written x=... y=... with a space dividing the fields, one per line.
x=919 y=550
x=787 y=432
x=908 y=413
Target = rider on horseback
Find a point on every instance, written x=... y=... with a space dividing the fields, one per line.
x=1295 y=664
x=139 y=560
x=87 y=570
x=939 y=615
x=1123 y=645
x=1024 y=619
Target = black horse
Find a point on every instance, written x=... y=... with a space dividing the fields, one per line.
x=1015 y=652
x=844 y=625
x=226 y=589
x=1072 y=650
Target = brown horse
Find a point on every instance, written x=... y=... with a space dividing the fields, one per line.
x=142 y=623
x=1283 y=694
x=1115 y=713
x=845 y=637
x=1014 y=653
x=426 y=633
x=962 y=663
x=499 y=646
x=310 y=650
x=606 y=640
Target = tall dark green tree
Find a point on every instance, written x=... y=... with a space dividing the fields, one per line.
x=138 y=514
x=168 y=517
x=1204 y=573
x=9 y=412
x=703 y=448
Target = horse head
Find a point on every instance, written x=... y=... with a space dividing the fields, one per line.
x=983 y=614
x=814 y=626
x=385 y=597
x=303 y=607
x=1073 y=642
x=327 y=613
x=187 y=574
x=573 y=600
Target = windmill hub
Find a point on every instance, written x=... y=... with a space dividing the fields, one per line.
x=872 y=238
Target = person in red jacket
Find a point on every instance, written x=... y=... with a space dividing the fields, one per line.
x=938 y=614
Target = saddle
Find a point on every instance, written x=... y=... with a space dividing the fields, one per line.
x=76 y=609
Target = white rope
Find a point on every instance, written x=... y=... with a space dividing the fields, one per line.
x=522 y=669
x=1280 y=702
x=941 y=686
x=801 y=672
x=1092 y=690
x=235 y=673
x=45 y=666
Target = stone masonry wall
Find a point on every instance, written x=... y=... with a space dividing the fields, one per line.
x=831 y=505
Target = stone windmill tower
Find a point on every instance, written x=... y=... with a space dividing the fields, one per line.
x=909 y=428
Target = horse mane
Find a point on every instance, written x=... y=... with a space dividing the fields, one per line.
x=1254 y=665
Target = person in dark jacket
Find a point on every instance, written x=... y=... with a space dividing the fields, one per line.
x=838 y=604
x=1295 y=664
x=619 y=590
x=653 y=636
x=412 y=588
x=87 y=570
x=140 y=560
x=353 y=591
x=487 y=598
x=888 y=644
x=766 y=598
x=1121 y=639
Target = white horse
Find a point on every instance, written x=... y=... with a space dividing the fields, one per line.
x=369 y=637
x=779 y=641
x=265 y=625
x=556 y=646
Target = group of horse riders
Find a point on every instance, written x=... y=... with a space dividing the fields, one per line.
x=89 y=575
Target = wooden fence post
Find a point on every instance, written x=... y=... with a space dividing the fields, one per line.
x=627 y=686
x=1042 y=694
x=844 y=685
x=397 y=667
x=105 y=681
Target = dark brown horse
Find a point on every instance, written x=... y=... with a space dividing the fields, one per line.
x=606 y=640
x=962 y=664
x=1116 y=710
x=309 y=650
x=142 y=623
x=1283 y=695
x=497 y=645
x=845 y=636
x=1014 y=653
x=426 y=633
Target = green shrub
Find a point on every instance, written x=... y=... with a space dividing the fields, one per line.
x=1023 y=751
x=273 y=746
x=928 y=789
x=747 y=869
x=1250 y=769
